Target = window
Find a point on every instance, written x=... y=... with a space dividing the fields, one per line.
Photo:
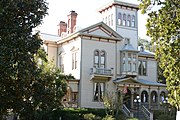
x=153 y=96
x=102 y=59
x=111 y=19
x=124 y=19
x=133 y=21
x=134 y=63
x=106 y=20
x=98 y=91
x=99 y=59
x=129 y=21
x=96 y=59
x=61 y=63
x=142 y=68
x=144 y=96
x=129 y=62
x=74 y=60
x=119 y=19
x=124 y=62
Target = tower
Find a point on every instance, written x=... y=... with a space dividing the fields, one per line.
x=123 y=18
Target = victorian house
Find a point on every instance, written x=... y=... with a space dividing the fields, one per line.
x=105 y=57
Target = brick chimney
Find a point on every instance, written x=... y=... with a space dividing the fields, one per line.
x=62 y=27
x=71 y=22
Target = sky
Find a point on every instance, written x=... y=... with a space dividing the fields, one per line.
x=87 y=14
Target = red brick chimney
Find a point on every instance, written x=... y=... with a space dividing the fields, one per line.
x=62 y=27
x=71 y=22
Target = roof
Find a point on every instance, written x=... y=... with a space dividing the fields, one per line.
x=139 y=81
x=51 y=37
x=129 y=47
x=113 y=35
x=119 y=3
x=146 y=53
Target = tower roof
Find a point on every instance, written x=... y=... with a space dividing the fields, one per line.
x=118 y=3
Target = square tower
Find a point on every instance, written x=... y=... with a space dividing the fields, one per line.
x=123 y=18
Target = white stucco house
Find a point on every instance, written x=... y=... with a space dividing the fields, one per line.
x=105 y=57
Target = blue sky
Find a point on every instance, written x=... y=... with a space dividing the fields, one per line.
x=87 y=14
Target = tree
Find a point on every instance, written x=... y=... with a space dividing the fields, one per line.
x=164 y=29
x=18 y=69
x=50 y=87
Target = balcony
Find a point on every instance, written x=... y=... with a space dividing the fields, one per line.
x=129 y=73
x=101 y=73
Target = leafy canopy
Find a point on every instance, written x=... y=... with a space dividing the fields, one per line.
x=164 y=29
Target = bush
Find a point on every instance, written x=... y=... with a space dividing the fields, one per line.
x=108 y=117
x=166 y=117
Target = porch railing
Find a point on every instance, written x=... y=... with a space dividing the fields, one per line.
x=147 y=113
x=126 y=111
x=102 y=71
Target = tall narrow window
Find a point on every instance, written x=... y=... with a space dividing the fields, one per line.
x=133 y=21
x=98 y=91
x=99 y=59
x=124 y=62
x=102 y=59
x=134 y=63
x=142 y=68
x=111 y=19
x=61 y=63
x=129 y=21
x=119 y=19
x=124 y=19
x=96 y=59
x=129 y=61
x=74 y=60
x=106 y=20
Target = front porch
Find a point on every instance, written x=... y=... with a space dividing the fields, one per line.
x=141 y=95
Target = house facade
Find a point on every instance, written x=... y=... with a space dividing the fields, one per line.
x=105 y=58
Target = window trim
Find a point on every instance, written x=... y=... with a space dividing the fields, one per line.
x=98 y=65
x=100 y=91
x=141 y=72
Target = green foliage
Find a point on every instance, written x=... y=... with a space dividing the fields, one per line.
x=18 y=70
x=164 y=29
x=29 y=84
x=132 y=119
x=108 y=117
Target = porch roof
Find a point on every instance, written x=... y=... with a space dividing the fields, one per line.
x=122 y=80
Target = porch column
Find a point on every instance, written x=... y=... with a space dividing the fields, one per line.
x=149 y=94
x=132 y=99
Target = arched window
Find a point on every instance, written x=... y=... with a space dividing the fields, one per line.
x=124 y=19
x=129 y=21
x=111 y=19
x=133 y=21
x=96 y=58
x=119 y=19
x=99 y=59
x=103 y=55
x=144 y=96
x=153 y=96
x=162 y=96
x=106 y=20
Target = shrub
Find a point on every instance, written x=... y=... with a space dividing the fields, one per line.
x=108 y=117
